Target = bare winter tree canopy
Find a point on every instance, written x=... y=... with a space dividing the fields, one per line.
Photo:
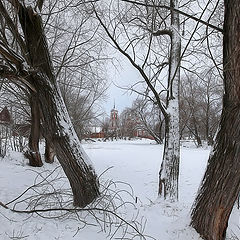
x=182 y=63
x=25 y=60
x=157 y=46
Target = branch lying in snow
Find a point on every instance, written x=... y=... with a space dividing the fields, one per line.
x=74 y=210
x=71 y=210
x=31 y=187
x=104 y=212
x=4 y=205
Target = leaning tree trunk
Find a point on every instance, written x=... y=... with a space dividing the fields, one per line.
x=56 y=120
x=33 y=153
x=69 y=152
x=169 y=171
x=221 y=183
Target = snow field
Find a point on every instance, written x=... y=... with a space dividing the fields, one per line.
x=134 y=162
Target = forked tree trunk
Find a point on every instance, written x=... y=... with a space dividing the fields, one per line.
x=33 y=154
x=169 y=171
x=56 y=120
x=221 y=183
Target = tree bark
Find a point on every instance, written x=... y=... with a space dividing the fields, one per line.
x=33 y=154
x=56 y=120
x=69 y=152
x=195 y=131
x=221 y=183
x=169 y=171
x=49 y=152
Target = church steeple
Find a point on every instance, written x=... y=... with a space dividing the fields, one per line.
x=114 y=105
x=114 y=118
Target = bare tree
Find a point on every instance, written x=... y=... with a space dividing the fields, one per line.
x=220 y=186
x=165 y=22
x=105 y=127
x=150 y=52
x=80 y=68
x=128 y=123
x=150 y=119
x=30 y=64
x=200 y=105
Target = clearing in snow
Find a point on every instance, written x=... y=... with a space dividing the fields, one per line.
x=128 y=172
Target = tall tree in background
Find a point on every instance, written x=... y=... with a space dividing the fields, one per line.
x=169 y=171
x=32 y=66
x=156 y=47
x=200 y=106
x=221 y=183
x=150 y=118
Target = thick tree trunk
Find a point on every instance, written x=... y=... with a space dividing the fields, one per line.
x=33 y=154
x=56 y=120
x=49 y=151
x=221 y=183
x=169 y=171
x=69 y=152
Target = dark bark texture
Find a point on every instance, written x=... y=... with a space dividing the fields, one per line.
x=56 y=122
x=33 y=153
x=221 y=184
x=49 y=152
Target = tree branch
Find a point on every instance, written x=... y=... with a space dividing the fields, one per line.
x=178 y=11
x=13 y=27
x=140 y=70
x=162 y=32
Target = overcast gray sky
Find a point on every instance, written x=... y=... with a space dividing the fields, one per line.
x=124 y=75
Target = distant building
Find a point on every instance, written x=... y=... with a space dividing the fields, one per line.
x=114 y=121
x=132 y=127
x=96 y=132
x=5 y=123
x=7 y=126
x=5 y=117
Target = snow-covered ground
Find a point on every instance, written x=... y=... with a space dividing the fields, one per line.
x=134 y=162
